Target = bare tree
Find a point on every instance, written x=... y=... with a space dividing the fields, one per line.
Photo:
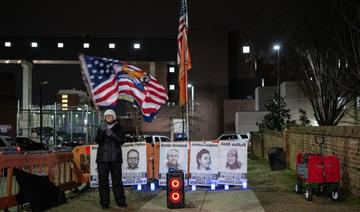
x=347 y=36
x=321 y=79
x=327 y=55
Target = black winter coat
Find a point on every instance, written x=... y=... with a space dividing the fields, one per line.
x=109 y=149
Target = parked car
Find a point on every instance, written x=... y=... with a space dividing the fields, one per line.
x=7 y=144
x=152 y=139
x=245 y=137
x=47 y=131
x=26 y=144
x=66 y=139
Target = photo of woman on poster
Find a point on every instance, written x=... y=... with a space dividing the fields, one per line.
x=232 y=160
x=203 y=160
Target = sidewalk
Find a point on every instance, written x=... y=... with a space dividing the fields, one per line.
x=237 y=200
x=201 y=200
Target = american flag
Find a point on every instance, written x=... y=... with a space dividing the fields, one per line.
x=183 y=28
x=183 y=54
x=107 y=80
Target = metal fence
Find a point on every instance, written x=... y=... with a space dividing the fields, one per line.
x=74 y=125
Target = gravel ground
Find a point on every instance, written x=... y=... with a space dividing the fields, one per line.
x=275 y=191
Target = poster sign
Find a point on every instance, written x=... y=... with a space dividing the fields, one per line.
x=134 y=163
x=232 y=162
x=203 y=163
x=172 y=155
x=93 y=167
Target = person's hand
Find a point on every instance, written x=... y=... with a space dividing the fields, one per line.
x=109 y=132
x=103 y=127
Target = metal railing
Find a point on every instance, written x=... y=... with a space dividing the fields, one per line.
x=76 y=124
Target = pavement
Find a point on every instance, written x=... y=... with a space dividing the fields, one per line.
x=203 y=199
x=238 y=200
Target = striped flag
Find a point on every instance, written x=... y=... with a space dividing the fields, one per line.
x=108 y=80
x=183 y=54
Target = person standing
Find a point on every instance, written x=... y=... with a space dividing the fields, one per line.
x=109 y=160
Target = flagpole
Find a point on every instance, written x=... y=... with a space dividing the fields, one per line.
x=183 y=123
x=187 y=110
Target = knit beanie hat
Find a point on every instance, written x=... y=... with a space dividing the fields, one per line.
x=110 y=112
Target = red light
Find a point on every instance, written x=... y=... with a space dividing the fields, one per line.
x=175 y=197
x=175 y=189
x=175 y=183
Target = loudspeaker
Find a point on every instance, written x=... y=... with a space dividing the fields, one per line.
x=175 y=189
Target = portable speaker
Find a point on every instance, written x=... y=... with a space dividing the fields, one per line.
x=175 y=189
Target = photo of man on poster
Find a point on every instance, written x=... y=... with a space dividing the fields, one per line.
x=133 y=159
x=172 y=157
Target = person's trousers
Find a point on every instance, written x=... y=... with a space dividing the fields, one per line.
x=104 y=168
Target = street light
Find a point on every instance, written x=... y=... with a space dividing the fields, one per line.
x=41 y=113
x=277 y=48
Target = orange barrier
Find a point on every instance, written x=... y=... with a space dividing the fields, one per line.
x=58 y=166
x=82 y=162
x=153 y=157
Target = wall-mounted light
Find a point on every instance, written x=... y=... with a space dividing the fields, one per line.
x=86 y=45
x=7 y=44
x=111 y=45
x=60 y=45
x=171 y=87
x=246 y=49
x=34 y=44
x=171 y=69
x=136 y=45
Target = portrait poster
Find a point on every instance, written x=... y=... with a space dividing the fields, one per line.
x=93 y=167
x=203 y=163
x=172 y=155
x=232 y=162
x=134 y=163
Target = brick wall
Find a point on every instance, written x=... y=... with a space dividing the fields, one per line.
x=341 y=141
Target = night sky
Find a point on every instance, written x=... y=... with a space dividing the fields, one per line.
x=136 y=19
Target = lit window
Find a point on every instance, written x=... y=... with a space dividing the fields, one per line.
x=64 y=105
x=7 y=44
x=86 y=45
x=64 y=101
x=64 y=96
x=171 y=87
x=60 y=45
x=171 y=69
x=246 y=49
x=136 y=45
x=111 y=45
x=34 y=44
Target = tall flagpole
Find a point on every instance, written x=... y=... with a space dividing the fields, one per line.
x=184 y=63
x=187 y=106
